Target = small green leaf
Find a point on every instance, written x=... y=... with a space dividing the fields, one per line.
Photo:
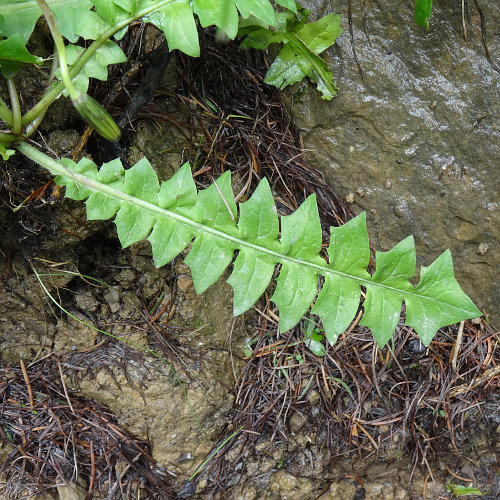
x=342 y=383
x=177 y=22
x=459 y=490
x=221 y=13
x=96 y=67
x=317 y=348
x=423 y=12
x=261 y=9
x=299 y=55
x=288 y=4
x=6 y=153
x=320 y=35
x=13 y=55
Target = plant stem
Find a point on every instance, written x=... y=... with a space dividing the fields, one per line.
x=16 y=108
x=5 y=113
x=61 y=49
x=52 y=94
x=31 y=128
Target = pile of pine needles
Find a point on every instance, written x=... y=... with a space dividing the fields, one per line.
x=52 y=438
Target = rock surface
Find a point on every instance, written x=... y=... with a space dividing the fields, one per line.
x=416 y=141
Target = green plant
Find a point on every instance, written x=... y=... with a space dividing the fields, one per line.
x=174 y=214
x=302 y=44
x=100 y=20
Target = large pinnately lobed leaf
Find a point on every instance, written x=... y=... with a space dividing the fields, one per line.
x=173 y=214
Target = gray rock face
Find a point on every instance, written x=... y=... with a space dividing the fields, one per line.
x=417 y=143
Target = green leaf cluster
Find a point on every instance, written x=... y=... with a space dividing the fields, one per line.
x=100 y=19
x=302 y=44
x=172 y=215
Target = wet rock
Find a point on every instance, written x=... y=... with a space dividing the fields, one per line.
x=419 y=132
x=290 y=487
x=72 y=491
x=63 y=141
x=297 y=421
x=340 y=491
x=74 y=333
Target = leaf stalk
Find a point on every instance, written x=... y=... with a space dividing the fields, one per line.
x=16 y=108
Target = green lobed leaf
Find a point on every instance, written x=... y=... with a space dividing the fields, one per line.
x=438 y=282
x=13 y=55
x=220 y=13
x=96 y=67
x=210 y=255
x=300 y=239
x=173 y=213
x=169 y=238
x=177 y=22
x=258 y=224
x=349 y=254
x=383 y=303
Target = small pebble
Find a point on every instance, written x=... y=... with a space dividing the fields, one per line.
x=388 y=184
x=350 y=198
x=482 y=248
x=360 y=191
